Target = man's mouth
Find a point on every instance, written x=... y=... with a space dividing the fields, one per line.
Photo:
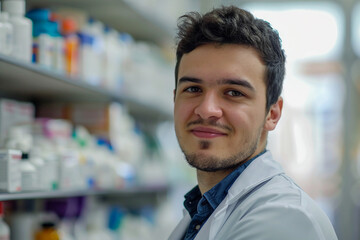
x=206 y=132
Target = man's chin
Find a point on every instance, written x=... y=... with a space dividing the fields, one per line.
x=210 y=163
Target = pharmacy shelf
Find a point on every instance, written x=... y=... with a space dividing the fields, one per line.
x=30 y=82
x=122 y=15
x=144 y=191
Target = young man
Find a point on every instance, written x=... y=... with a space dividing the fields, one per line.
x=229 y=74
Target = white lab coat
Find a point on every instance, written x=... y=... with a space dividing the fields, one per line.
x=263 y=204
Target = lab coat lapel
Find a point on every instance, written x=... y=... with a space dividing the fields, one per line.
x=181 y=228
x=259 y=171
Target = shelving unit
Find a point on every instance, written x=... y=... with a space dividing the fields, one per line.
x=26 y=81
x=127 y=191
x=122 y=15
x=31 y=82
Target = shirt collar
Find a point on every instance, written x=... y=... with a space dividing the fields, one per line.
x=191 y=200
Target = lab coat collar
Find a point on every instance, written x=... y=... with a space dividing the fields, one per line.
x=259 y=171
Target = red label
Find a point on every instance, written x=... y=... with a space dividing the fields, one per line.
x=16 y=157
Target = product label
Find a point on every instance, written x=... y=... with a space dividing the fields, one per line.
x=15 y=156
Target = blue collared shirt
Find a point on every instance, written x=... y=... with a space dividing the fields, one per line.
x=201 y=207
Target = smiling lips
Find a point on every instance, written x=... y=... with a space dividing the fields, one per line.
x=204 y=132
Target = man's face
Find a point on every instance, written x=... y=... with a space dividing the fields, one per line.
x=220 y=116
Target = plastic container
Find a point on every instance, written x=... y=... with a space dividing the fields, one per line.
x=125 y=42
x=51 y=162
x=28 y=174
x=41 y=169
x=4 y=228
x=22 y=26
x=44 y=151
x=6 y=34
x=112 y=59
x=59 y=47
x=71 y=46
x=70 y=176
x=43 y=41
x=86 y=66
x=47 y=232
x=22 y=224
x=93 y=34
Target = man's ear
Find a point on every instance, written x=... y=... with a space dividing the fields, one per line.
x=174 y=94
x=273 y=115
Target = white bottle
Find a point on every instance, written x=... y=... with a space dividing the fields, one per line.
x=6 y=34
x=94 y=52
x=112 y=59
x=28 y=175
x=22 y=225
x=39 y=164
x=22 y=26
x=58 y=58
x=4 y=228
x=51 y=177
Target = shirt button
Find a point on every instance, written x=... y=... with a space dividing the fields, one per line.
x=197 y=227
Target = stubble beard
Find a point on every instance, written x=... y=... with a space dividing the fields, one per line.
x=209 y=163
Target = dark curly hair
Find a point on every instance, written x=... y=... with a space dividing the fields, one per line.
x=233 y=25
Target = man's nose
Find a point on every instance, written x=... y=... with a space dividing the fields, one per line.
x=209 y=107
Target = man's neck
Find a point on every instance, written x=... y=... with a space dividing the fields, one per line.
x=207 y=180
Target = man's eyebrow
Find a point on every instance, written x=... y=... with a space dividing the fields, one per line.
x=239 y=82
x=190 y=79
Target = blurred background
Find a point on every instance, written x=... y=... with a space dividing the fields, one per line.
x=86 y=104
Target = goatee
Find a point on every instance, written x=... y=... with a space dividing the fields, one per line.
x=212 y=164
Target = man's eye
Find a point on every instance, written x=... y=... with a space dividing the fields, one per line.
x=234 y=93
x=192 y=89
